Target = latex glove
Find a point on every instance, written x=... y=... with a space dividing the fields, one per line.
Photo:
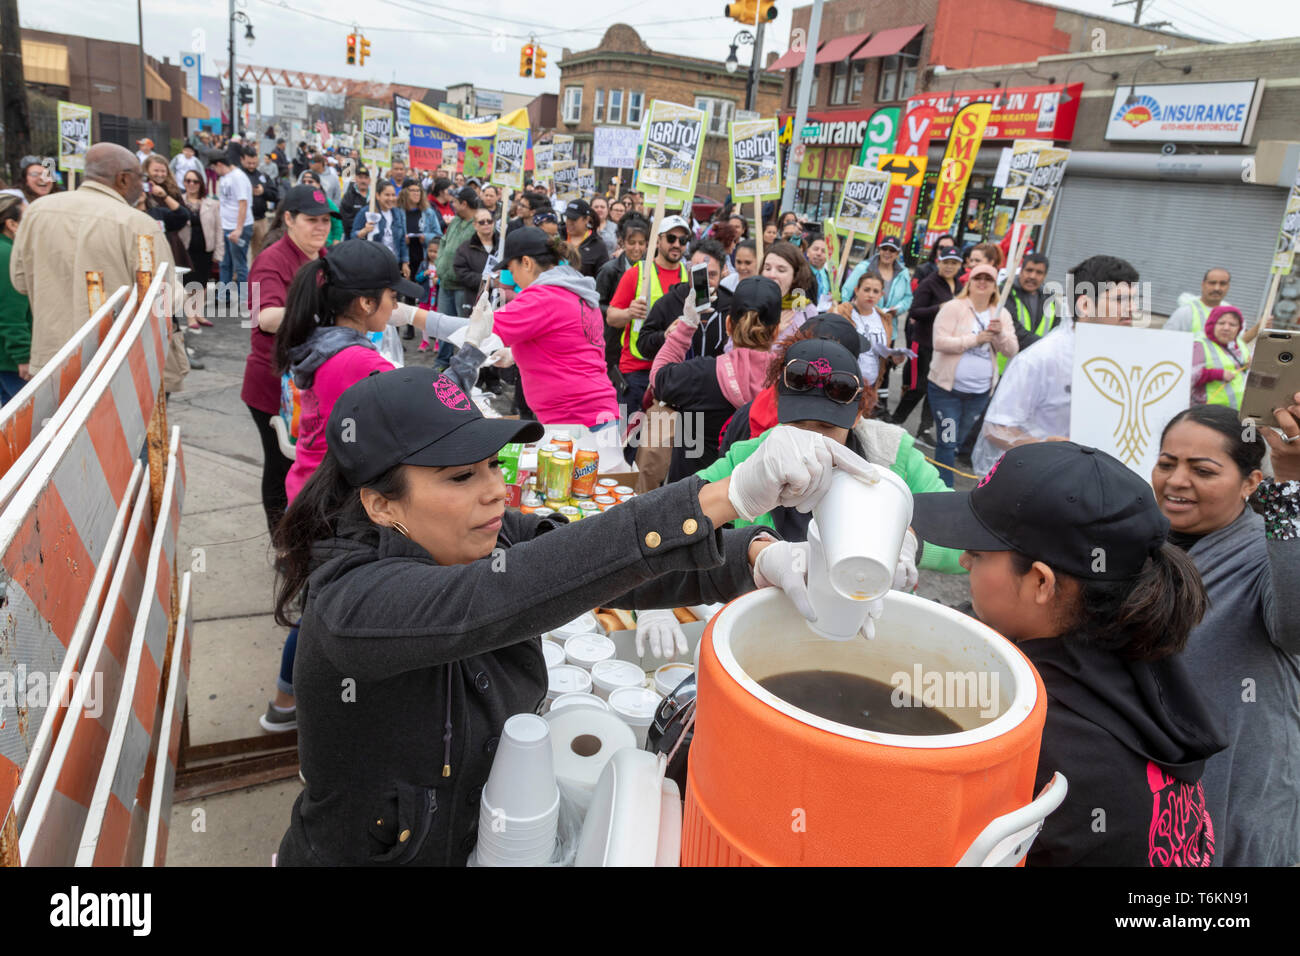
x=784 y=565
x=403 y=314
x=480 y=321
x=690 y=314
x=502 y=358
x=874 y=610
x=905 y=575
x=792 y=469
x=663 y=630
x=372 y=218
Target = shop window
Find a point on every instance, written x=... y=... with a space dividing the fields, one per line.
x=719 y=113
x=573 y=104
x=898 y=73
x=598 y=111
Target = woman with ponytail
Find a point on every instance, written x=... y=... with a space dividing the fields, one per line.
x=1067 y=557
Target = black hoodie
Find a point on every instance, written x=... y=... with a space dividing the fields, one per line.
x=709 y=339
x=1131 y=739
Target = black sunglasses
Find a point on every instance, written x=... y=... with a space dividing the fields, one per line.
x=801 y=375
x=676 y=240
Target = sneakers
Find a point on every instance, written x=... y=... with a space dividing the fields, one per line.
x=424 y=345
x=276 y=721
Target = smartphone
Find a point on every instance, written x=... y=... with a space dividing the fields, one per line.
x=700 y=283
x=1274 y=375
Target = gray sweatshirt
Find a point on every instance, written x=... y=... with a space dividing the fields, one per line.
x=1245 y=655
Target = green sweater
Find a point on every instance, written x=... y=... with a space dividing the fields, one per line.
x=909 y=464
x=456 y=234
x=15 y=316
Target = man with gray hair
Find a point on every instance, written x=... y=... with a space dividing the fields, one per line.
x=91 y=229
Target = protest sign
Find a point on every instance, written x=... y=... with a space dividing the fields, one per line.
x=376 y=135
x=1044 y=182
x=561 y=147
x=862 y=203
x=478 y=158
x=955 y=171
x=565 y=173
x=671 y=157
x=586 y=183
x=1024 y=157
x=402 y=120
x=438 y=140
x=615 y=147
x=542 y=161
x=1127 y=384
x=755 y=165
x=508 y=157
x=74 y=135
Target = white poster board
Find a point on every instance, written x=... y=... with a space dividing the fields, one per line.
x=615 y=147
x=1127 y=383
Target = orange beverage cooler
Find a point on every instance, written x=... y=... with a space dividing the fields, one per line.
x=771 y=784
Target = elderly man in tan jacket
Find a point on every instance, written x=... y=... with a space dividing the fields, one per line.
x=92 y=229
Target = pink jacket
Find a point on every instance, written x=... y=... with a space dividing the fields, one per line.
x=740 y=372
x=952 y=338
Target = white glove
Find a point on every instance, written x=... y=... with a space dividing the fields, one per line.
x=874 y=610
x=372 y=218
x=502 y=358
x=905 y=576
x=403 y=314
x=690 y=314
x=480 y=321
x=784 y=565
x=663 y=630
x=791 y=468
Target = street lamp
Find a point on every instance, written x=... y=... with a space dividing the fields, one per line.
x=743 y=38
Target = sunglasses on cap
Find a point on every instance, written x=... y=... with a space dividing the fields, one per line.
x=676 y=240
x=801 y=375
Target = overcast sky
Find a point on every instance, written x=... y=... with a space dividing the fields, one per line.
x=436 y=44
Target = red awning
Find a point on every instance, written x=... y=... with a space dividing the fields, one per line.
x=789 y=60
x=840 y=48
x=888 y=42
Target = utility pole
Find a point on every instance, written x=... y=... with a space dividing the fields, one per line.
x=234 y=114
x=18 y=130
x=751 y=88
x=1137 y=8
x=801 y=111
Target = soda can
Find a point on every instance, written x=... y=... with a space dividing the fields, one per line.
x=530 y=499
x=605 y=501
x=570 y=512
x=560 y=478
x=587 y=507
x=543 y=512
x=623 y=492
x=543 y=468
x=514 y=496
x=562 y=443
x=608 y=483
x=584 y=473
x=527 y=510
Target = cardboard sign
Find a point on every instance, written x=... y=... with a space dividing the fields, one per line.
x=402 y=112
x=565 y=174
x=561 y=147
x=903 y=170
x=542 y=158
x=958 y=164
x=1127 y=384
x=376 y=135
x=1043 y=185
x=586 y=183
x=913 y=140
x=755 y=163
x=478 y=158
x=671 y=153
x=1023 y=159
x=1288 y=239
x=74 y=135
x=862 y=202
x=615 y=147
x=508 y=155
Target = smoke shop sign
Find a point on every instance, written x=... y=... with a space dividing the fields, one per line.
x=1021 y=112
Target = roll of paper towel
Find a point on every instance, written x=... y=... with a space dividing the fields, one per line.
x=583 y=740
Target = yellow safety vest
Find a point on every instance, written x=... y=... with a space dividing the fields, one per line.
x=633 y=329
x=1200 y=312
x=1046 y=322
x=1216 y=356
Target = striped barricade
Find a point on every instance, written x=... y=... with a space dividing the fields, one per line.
x=114 y=834
x=169 y=738
x=57 y=527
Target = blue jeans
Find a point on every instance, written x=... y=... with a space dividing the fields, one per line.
x=234 y=265
x=11 y=383
x=284 y=682
x=955 y=414
x=450 y=302
x=637 y=383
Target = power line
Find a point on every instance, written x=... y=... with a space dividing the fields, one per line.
x=1212 y=22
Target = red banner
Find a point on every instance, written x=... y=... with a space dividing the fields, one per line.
x=1022 y=112
x=900 y=203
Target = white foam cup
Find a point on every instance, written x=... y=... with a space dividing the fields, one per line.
x=553 y=653
x=566 y=679
x=585 y=624
x=636 y=706
x=608 y=676
x=578 y=700
x=585 y=650
x=670 y=675
x=522 y=779
x=862 y=527
x=839 y=618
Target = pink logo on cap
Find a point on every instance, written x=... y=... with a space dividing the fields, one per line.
x=318 y=196
x=992 y=471
x=449 y=394
x=820 y=365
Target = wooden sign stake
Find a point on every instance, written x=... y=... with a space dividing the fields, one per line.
x=758 y=232
x=661 y=200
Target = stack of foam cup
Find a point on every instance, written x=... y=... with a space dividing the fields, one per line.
x=520 y=806
x=553 y=653
x=636 y=706
x=566 y=679
x=586 y=650
x=610 y=675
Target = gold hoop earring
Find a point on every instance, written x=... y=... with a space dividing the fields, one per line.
x=401 y=529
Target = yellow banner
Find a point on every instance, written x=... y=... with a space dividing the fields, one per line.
x=958 y=163
x=423 y=115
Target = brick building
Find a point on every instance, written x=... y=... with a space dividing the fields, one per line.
x=615 y=82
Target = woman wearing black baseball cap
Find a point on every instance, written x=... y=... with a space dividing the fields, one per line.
x=423 y=600
x=1067 y=557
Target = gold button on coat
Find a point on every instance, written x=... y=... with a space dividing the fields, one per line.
x=403 y=836
x=652 y=539
x=690 y=526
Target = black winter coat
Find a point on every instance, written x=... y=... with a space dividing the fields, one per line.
x=709 y=339
x=352 y=202
x=606 y=285
x=593 y=253
x=469 y=261
x=393 y=648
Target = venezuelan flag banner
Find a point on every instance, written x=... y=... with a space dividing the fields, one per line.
x=435 y=135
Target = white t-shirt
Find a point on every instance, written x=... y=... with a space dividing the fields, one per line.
x=231 y=188
x=183 y=164
x=872 y=328
x=975 y=367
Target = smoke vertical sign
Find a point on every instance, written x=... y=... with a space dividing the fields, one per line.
x=376 y=135
x=958 y=163
x=74 y=135
x=862 y=202
x=508 y=157
x=671 y=155
x=755 y=165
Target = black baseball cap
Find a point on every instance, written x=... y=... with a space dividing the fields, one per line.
x=359 y=265
x=837 y=328
x=890 y=241
x=307 y=199
x=1075 y=507
x=757 y=294
x=528 y=241
x=951 y=253
x=577 y=209
x=813 y=405
x=413 y=416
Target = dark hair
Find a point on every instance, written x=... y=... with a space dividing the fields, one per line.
x=1144 y=618
x=803 y=277
x=557 y=251
x=1098 y=272
x=934 y=249
x=788 y=214
x=866 y=401
x=439 y=185
x=991 y=251
x=326 y=503
x=724 y=233
x=633 y=222
x=750 y=244
x=274 y=232
x=203 y=182
x=1216 y=269
x=536 y=200
x=11 y=209
x=312 y=302
x=1034 y=257
x=744 y=223
x=468 y=196
x=711 y=248
x=1246 y=455
x=870 y=274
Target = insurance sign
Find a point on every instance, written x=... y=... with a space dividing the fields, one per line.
x=1185 y=113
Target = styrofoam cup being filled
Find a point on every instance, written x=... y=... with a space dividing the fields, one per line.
x=862 y=525
x=636 y=706
x=608 y=676
x=586 y=650
x=670 y=675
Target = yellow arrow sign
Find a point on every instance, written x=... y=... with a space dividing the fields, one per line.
x=903 y=170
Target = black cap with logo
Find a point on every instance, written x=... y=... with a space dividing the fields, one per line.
x=757 y=294
x=413 y=416
x=1074 y=507
x=359 y=265
x=577 y=209
x=837 y=328
x=309 y=200
x=816 y=371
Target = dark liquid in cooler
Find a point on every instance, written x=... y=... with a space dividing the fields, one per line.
x=858 y=702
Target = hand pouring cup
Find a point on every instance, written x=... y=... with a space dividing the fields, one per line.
x=862 y=524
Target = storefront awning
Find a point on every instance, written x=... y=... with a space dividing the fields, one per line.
x=156 y=88
x=192 y=108
x=888 y=42
x=840 y=48
x=787 y=60
x=45 y=63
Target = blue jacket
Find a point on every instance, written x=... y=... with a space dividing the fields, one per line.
x=430 y=225
x=381 y=232
x=899 y=293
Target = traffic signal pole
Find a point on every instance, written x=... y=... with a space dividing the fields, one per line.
x=751 y=87
x=234 y=112
x=801 y=111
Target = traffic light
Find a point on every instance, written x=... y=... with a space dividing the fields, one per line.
x=245 y=94
x=526 y=60
x=767 y=10
x=365 y=50
x=750 y=12
x=539 y=69
x=352 y=49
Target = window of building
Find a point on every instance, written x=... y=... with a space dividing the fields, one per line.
x=898 y=73
x=855 y=21
x=598 y=111
x=839 y=83
x=857 y=79
x=615 y=106
x=712 y=171
x=634 y=104
x=573 y=104
x=794 y=88
x=720 y=113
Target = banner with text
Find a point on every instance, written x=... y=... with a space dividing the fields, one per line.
x=862 y=202
x=376 y=135
x=74 y=135
x=900 y=202
x=561 y=147
x=508 y=155
x=565 y=174
x=1024 y=157
x=670 y=156
x=755 y=162
x=1024 y=112
x=438 y=141
x=615 y=147
x=1044 y=183
x=954 y=173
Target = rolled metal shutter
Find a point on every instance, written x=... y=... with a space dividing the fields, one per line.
x=1172 y=232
